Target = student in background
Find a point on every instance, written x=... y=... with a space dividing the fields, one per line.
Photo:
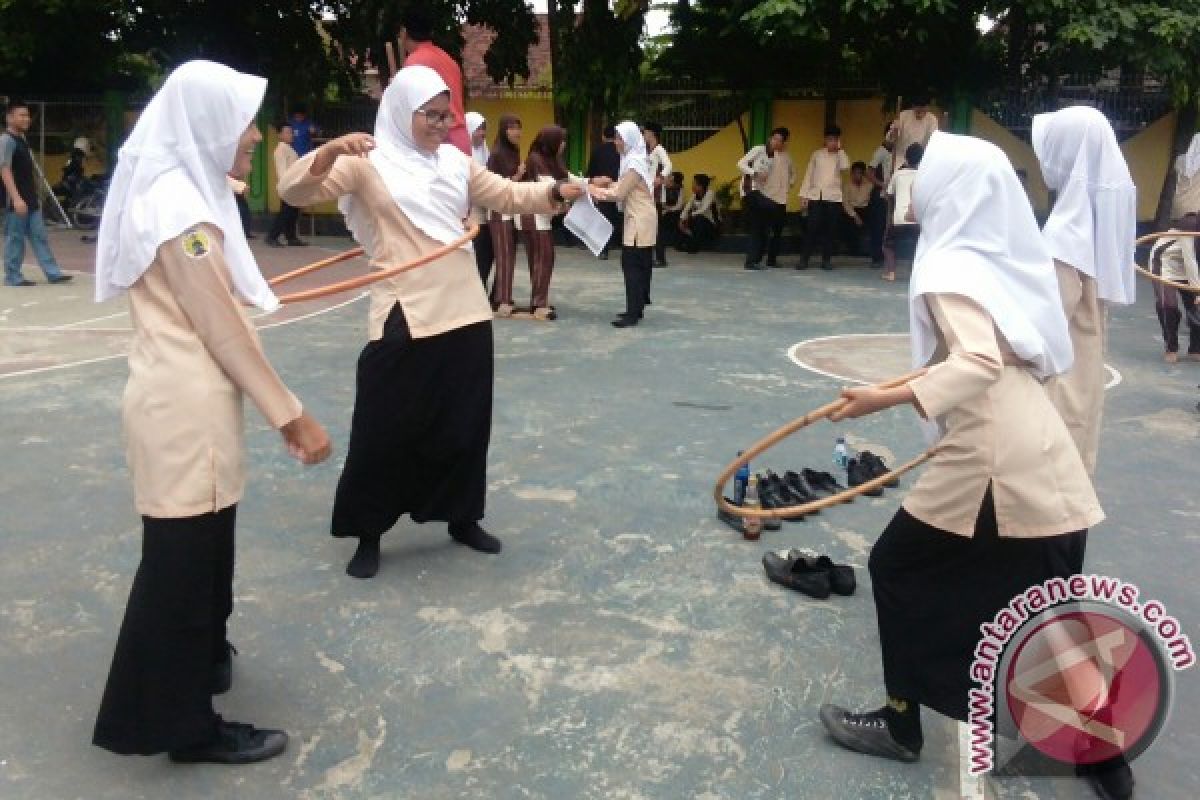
x=1176 y=260
x=304 y=130
x=821 y=194
x=544 y=164
x=634 y=190
x=605 y=163
x=505 y=161
x=879 y=171
x=698 y=220
x=660 y=162
x=912 y=126
x=668 y=217
x=856 y=202
x=1187 y=181
x=768 y=174
x=484 y=253
x=288 y=216
x=902 y=228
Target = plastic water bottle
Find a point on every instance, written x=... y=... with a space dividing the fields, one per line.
x=741 y=480
x=841 y=456
x=751 y=526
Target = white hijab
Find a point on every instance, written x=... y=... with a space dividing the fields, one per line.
x=1191 y=159
x=430 y=188
x=635 y=157
x=171 y=175
x=1093 y=224
x=979 y=239
x=478 y=152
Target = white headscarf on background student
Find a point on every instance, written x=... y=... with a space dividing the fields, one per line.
x=979 y=239
x=1093 y=224
x=635 y=156
x=429 y=187
x=171 y=175
x=478 y=151
x=1191 y=159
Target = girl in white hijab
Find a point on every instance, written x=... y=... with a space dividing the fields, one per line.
x=1003 y=502
x=1090 y=234
x=171 y=237
x=634 y=189
x=485 y=252
x=423 y=407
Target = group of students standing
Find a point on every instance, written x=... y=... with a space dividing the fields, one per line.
x=875 y=200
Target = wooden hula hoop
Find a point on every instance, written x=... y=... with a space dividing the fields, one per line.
x=772 y=439
x=363 y=280
x=1153 y=237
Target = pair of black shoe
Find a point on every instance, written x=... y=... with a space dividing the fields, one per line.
x=867 y=467
x=795 y=488
x=814 y=575
x=738 y=523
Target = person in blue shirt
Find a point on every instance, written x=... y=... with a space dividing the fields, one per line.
x=304 y=130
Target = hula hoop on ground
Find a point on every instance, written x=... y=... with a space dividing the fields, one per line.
x=772 y=439
x=1153 y=237
x=363 y=280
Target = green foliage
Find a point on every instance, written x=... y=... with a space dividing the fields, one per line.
x=597 y=52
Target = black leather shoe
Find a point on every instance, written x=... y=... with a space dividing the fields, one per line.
x=841 y=576
x=297 y=243
x=625 y=322
x=23 y=282
x=61 y=278
x=865 y=733
x=876 y=467
x=735 y=522
x=769 y=494
x=1112 y=780
x=800 y=488
x=222 y=677
x=857 y=473
x=235 y=743
x=822 y=483
x=273 y=242
x=797 y=571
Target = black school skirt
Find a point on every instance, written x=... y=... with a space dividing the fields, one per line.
x=420 y=432
x=933 y=589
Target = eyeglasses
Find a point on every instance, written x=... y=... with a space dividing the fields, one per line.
x=436 y=118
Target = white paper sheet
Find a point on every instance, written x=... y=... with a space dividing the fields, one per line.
x=585 y=221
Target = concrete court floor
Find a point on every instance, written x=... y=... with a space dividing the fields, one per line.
x=625 y=645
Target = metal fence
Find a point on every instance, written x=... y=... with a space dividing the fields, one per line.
x=689 y=115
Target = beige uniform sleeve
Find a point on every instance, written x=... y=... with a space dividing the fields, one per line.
x=509 y=197
x=974 y=362
x=299 y=187
x=203 y=293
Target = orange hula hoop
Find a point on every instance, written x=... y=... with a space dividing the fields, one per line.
x=362 y=280
x=772 y=439
x=1153 y=237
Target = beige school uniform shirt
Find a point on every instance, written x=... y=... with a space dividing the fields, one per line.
x=823 y=178
x=194 y=354
x=781 y=172
x=856 y=197
x=285 y=156
x=641 y=216
x=1079 y=393
x=907 y=130
x=438 y=298
x=999 y=429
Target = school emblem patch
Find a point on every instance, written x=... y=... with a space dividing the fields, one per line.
x=196 y=243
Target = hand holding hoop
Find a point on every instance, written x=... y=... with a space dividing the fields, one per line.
x=363 y=280
x=772 y=439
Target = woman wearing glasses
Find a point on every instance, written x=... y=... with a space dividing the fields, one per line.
x=423 y=407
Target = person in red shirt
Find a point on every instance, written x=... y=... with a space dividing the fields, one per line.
x=416 y=37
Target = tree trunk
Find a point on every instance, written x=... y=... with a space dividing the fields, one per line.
x=833 y=53
x=1185 y=126
x=553 y=17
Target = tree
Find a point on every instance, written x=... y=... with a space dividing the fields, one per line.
x=596 y=53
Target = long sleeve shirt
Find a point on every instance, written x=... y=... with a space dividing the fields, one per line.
x=194 y=354
x=285 y=155
x=856 y=197
x=660 y=166
x=781 y=172
x=823 y=178
x=641 y=217
x=702 y=207
x=1179 y=260
x=443 y=296
x=907 y=130
x=999 y=430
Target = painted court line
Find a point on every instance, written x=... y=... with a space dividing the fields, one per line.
x=1114 y=376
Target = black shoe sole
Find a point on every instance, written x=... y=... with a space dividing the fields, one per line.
x=275 y=744
x=881 y=744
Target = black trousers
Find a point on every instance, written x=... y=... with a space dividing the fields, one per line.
x=877 y=226
x=285 y=223
x=766 y=227
x=853 y=234
x=243 y=211
x=668 y=233
x=158 y=697
x=933 y=589
x=485 y=253
x=702 y=235
x=637 y=265
x=822 y=225
x=1167 y=302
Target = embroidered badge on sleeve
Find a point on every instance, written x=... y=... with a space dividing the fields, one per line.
x=196 y=243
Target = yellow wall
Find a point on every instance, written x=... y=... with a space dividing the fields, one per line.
x=1019 y=153
x=716 y=156
x=535 y=114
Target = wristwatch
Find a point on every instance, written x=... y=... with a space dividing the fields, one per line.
x=556 y=193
